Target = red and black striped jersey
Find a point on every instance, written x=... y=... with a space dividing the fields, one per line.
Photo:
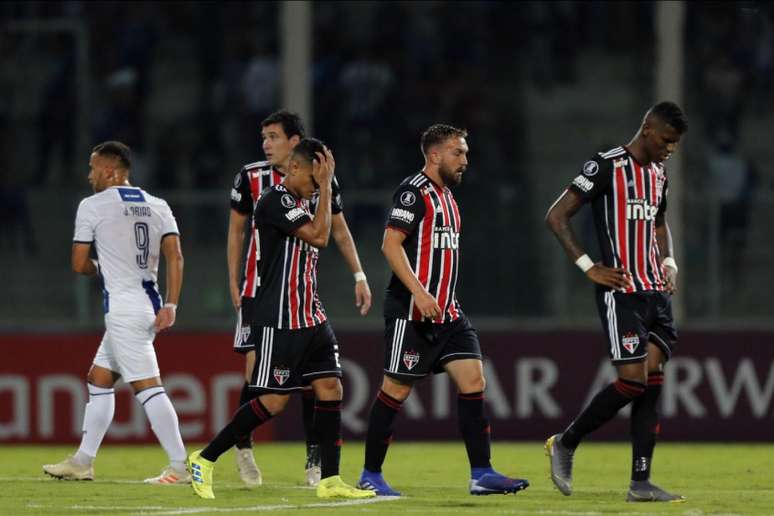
x=287 y=266
x=253 y=179
x=625 y=198
x=429 y=216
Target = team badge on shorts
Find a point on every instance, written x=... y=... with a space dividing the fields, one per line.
x=630 y=341
x=244 y=333
x=411 y=359
x=281 y=374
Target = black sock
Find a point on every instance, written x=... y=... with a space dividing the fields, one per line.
x=307 y=412
x=381 y=423
x=475 y=428
x=249 y=417
x=602 y=409
x=645 y=427
x=245 y=440
x=327 y=428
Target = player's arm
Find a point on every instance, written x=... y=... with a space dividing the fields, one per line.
x=173 y=257
x=80 y=260
x=317 y=231
x=392 y=247
x=558 y=221
x=666 y=251
x=234 y=248
x=346 y=245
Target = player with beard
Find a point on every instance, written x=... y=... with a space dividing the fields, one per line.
x=425 y=329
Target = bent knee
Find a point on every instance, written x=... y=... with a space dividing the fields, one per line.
x=476 y=384
x=396 y=389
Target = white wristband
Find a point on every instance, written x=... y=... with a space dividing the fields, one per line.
x=359 y=276
x=173 y=306
x=670 y=262
x=584 y=263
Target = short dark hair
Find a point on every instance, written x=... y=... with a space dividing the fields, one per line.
x=439 y=133
x=307 y=149
x=670 y=113
x=116 y=149
x=291 y=123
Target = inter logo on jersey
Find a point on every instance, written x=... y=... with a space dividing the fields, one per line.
x=445 y=237
x=640 y=209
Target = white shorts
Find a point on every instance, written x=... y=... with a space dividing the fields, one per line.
x=127 y=346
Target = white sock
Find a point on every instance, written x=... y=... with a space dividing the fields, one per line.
x=163 y=420
x=96 y=420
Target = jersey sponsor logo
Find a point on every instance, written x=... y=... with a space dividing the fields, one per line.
x=281 y=374
x=131 y=195
x=408 y=198
x=402 y=215
x=288 y=201
x=410 y=359
x=235 y=195
x=640 y=209
x=583 y=183
x=295 y=214
x=444 y=237
x=630 y=341
x=590 y=168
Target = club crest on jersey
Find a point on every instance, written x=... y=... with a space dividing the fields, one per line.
x=288 y=201
x=590 y=168
x=281 y=374
x=630 y=341
x=408 y=198
x=410 y=359
x=245 y=333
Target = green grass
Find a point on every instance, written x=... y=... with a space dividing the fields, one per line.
x=716 y=479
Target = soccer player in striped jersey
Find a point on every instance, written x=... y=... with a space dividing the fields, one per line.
x=129 y=229
x=297 y=345
x=280 y=132
x=426 y=330
x=627 y=189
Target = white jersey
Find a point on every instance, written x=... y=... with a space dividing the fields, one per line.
x=126 y=226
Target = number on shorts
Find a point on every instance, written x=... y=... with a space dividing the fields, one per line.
x=142 y=239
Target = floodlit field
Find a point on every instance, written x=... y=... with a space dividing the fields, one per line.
x=716 y=479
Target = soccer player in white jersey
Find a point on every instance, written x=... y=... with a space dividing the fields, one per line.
x=129 y=230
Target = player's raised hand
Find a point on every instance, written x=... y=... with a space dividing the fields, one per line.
x=165 y=318
x=363 y=296
x=322 y=169
x=427 y=305
x=612 y=277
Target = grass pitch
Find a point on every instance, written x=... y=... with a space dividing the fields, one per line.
x=715 y=478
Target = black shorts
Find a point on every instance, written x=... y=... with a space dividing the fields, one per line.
x=286 y=360
x=244 y=339
x=632 y=320
x=415 y=349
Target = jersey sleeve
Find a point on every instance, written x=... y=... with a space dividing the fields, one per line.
x=85 y=223
x=241 y=198
x=407 y=209
x=593 y=179
x=168 y=222
x=662 y=206
x=337 y=205
x=283 y=211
